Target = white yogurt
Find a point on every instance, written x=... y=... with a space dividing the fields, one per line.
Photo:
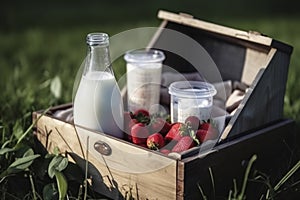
x=191 y=98
x=144 y=69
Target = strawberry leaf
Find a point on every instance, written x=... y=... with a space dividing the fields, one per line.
x=193 y=135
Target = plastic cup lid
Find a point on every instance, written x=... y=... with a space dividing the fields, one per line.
x=144 y=56
x=192 y=89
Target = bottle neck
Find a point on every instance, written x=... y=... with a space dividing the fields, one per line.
x=98 y=56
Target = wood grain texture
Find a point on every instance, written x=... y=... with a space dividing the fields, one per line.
x=254 y=61
x=243 y=108
x=155 y=178
x=263 y=102
x=189 y=21
x=274 y=146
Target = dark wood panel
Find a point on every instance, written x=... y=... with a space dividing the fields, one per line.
x=276 y=147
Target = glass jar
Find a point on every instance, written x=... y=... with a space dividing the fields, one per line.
x=191 y=98
x=144 y=69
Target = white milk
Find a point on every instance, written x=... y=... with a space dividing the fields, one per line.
x=143 y=84
x=98 y=104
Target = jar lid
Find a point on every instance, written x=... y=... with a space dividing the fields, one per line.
x=192 y=89
x=144 y=56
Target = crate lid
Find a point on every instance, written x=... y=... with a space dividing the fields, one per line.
x=259 y=61
x=250 y=36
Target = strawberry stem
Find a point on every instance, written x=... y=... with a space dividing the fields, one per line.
x=193 y=135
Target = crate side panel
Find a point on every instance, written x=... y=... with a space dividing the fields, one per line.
x=158 y=184
x=230 y=161
x=267 y=96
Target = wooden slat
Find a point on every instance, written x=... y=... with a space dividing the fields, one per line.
x=257 y=70
x=229 y=162
x=254 y=61
x=238 y=114
x=157 y=34
x=180 y=180
x=149 y=181
x=182 y=19
x=263 y=102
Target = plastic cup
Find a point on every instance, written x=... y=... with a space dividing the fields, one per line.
x=191 y=98
x=144 y=69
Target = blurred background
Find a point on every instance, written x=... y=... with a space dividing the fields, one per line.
x=42 y=43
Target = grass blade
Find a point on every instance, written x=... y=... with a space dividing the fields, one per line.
x=6 y=150
x=62 y=184
x=32 y=187
x=235 y=190
x=201 y=192
x=19 y=165
x=212 y=182
x=229 y=195
x=241 y=195
x=287 y=176
x=86 y=168
x=31 y=126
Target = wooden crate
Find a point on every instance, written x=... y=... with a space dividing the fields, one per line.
x=145 y=174
x=119 y=168
x=248 y=57
x=126 y=168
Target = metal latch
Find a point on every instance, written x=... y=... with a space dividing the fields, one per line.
x=102 y=148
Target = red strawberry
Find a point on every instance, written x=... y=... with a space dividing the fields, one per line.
x=165 y=151
x=155 y=141
x=127 y=119
x=183 y=144
x=170 y=144
x=174 y=133
x=205 y=125
x=210 y=134
x=142 y=115
x=127 y=128
x=139 y=133
x=193 y=122
x=160 y=125
x=168 y=147
x=132 y=122
x=141 y=112
x=201 y=134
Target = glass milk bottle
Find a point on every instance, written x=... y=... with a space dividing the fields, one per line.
x=98 y=104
